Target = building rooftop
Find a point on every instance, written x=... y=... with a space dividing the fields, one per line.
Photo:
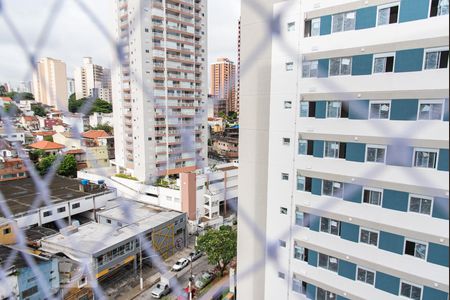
x=20 y=195
x=45 y=145
x=95 y=134
x=44 y=133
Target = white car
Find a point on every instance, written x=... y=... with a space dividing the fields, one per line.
x=193 y=256
x=160 y=290
x=180 y=264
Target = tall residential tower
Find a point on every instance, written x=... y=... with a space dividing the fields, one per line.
x=356 y=201
x=223 y=82
x=92 y=80
x=160 y=87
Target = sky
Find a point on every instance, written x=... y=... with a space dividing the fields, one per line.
x=71 y=35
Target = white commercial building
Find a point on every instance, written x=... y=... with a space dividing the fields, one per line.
x=50 y=83
x=92 y=81
x=344 y=151
x=160 y=89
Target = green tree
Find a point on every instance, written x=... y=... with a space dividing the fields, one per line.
x=104 y=127
x=68 y=166
x=25 y=96
x=99 y=105
x=2 y=90
x=48 y=138
x=219 y=245
x=11 y=109
x=75 y=105
x=38 y=110
x=45 y=164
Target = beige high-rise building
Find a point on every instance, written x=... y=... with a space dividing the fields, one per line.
x=50 y=83
x=92 y=80
x=223 y=82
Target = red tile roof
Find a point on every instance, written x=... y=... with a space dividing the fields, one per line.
x=6 y=99
x=44 y=133
x=45 y=145
x=76 y=151
x=30 y=118
x=95 y=134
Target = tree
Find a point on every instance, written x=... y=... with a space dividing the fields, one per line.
x=99 y=105
x=25 y=96
x=219 y=245
x=45 y=164
x=104 y=127
x=38 y=110
x=68 y=166
x=2 y=90
x=48 y=138
x=11 y=109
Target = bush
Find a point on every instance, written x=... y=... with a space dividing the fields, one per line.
x=125 y=176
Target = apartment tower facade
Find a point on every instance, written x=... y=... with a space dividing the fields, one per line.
x=50 y=83
x=357 y=197
x=223 y=82
x=92 y=80
x=160 y=87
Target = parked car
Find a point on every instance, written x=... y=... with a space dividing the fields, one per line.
x=203 y=280
x=193 y=256
x=160 y=290
x=180 y=264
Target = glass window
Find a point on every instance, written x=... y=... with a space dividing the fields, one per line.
x=284 y=176
x=299 y=218
x=430 y=110
x=332 y=188
x=286 y=141
x=282 y=243
x=331 y=149
x=301 y=182
x=287 y=104
x=334 y=109
x=365 y=275
x=388 y=14
x=380 y=110
x=281 y=275
x=410 y=291
x=283 y=210
x=439 y=8
x=373 y=197
x=383 y=63
x=420 y=204
x=298 y=286
x=322 y=294
x=425 y=158
x=309 y=69
x=416 y=249
x=329 y=226
x=299 y=252
x=328 y=262
x=376 y=154
x=302 y=147
x=291 y=26
x=368 y=237
x=289 y=66
x=340 y=66
x=343 y=21
x=436 y=59
x=312 y=27
x=304 y=109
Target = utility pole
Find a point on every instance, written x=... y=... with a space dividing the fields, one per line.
x=141 y=280
x=190 y=277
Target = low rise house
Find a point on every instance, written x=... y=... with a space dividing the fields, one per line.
x=30 y=123
x=97 y=119
x=12 y=169
x=49 y=123
x=5 y=100
x=43 y=135
x=6 y=149
x=48 y=147
x=16 y=135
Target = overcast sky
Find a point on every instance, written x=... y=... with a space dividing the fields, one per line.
x=72 y=35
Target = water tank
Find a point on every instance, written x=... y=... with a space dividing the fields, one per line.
x=84 y=182
x=101 y=181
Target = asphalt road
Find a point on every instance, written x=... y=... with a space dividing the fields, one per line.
x=198 y=267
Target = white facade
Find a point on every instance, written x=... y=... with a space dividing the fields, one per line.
x=160 y=89
x=92 y=80
x=70 y=86
x=296 y=183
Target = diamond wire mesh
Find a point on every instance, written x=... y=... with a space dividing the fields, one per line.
x=273 y=32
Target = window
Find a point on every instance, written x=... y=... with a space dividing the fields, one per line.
x=420 y=204
x=301 y=183
x=322 y=294
x=289 y=66
x=287 y=104
x=281 y=275
x=75 y=205
x=329 y=226
x=309 y=69
x=61 y=210
x=304 y=109
x=340 y=66
x=388 y=14
x=416 y=249
x=47 y=213
x=372 y=196
x=302 y=147
x=299 y=252
x=282 y=243
x=410 y=291
x=367 y=236
x=332 y=188
x=301 y=218
x=343 y=21
x=82 y=282
x=108 y=221
x=376 y=154
x=328 y=262
x=424 y=158
x=291 y=26
x=298 y=286
x=334 y=109
x=430 y=110
x=383 y=63
x=283 y=210
x=365 y=275
x=29 y=292
x=312 y=27
x=331 y=149
x=436 y=59
x=438 y=8
x=380 y=110
x=286 y=141
x=6 y=231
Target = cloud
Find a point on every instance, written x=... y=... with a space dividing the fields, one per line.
x=72 y=35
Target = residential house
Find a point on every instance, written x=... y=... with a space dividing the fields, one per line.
x=43 y=135
x=49 y=123
x=4 y=100
x=12 y=169
x=100 y=138
x=48 y=147
x=29 y=122
x=6 y=149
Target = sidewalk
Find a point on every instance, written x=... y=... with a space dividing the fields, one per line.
x=218 y=286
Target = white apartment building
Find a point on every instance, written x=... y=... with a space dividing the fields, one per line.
x=50 y=83
x=160 y=89
x=70 y=86
x=349 y=179
x=92 y=80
